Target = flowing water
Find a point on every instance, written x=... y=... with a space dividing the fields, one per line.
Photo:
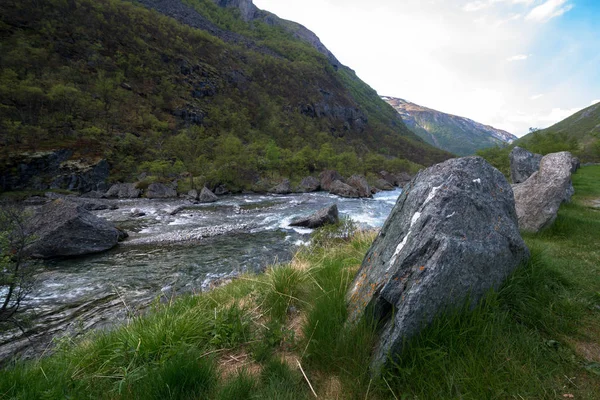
x=166 y=255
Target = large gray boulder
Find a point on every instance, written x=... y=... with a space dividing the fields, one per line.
x=309 y=184
x=283 y=188
x=206 y=196
x=343 y=190
x=64 y=229
x=361 y=185
x=123 y=191
x=523 y=164
x=160 y=191
x=328 y=177
x=538 y=198
x=451 y=236
x=327 y=215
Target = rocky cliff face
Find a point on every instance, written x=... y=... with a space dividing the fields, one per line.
x=459 y=135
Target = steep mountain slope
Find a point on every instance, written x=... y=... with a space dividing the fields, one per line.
x=218 y=88
x=580 y=131
x=457 y=135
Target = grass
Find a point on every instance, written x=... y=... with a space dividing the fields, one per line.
x=276 y=335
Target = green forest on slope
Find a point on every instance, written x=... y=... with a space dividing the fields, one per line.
x=111 y=79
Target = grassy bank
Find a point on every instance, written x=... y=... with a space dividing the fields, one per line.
x=276 y=335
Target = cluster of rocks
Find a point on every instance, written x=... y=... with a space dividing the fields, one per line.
x=355 y=186
x=453 y=235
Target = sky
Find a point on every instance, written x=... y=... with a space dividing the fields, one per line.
x=512 y=64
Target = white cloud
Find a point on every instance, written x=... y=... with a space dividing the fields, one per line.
x=518 y=57
x=548 y=10
x=536 y=96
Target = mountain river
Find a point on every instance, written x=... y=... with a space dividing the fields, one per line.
x=167 y=255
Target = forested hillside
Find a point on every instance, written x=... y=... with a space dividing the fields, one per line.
x=232 y=101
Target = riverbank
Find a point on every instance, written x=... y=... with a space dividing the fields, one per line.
x=282 y=334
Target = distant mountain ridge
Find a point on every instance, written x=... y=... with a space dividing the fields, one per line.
x=459 y=135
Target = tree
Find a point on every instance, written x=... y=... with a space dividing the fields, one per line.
x=16 y=270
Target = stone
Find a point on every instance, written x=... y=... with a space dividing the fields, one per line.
x=327 y=215
x=403 y=178
x=160 y=191
x=283 y=188
x=450 y=238
x=343 y=190
x=309 y=184
x=206 y=196
x=575 y=164
x=538 y=198
x=90 y=204
x=136 y=213
x=361 y=185
x=192 y=194
x=123 y=191
x=390 y=178
x=221 y=190
x=523 y=164
x=328 y=177
x=65 y=229
x=382 y=184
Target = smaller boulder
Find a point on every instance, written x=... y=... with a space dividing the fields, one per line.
x=538 y=199
x=328 y=177
x=192 y=195
x=309 y=184
x=221 y=190
x=136 y=213
x=343 y=190
x=283 y=188
x=361 y=185
x=160 y=191
x=327 y=215
x=575 y=164
x=382 y=184
x=206 y=196
x=123 y=191
x=523 y=164
x=390 y=178
x=403 y=179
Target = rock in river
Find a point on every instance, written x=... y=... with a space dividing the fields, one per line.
x=343 y=190
x=538 y=198
x=327 y=215
x=451 y=236
x=309 y=184
x=206 y=196
x=63 y=229
x=160 y=191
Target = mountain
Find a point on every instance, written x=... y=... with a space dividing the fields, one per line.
x=457 y=135
x=218 y=89
x=579 y=133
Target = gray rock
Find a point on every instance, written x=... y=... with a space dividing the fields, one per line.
x=221 y=190
x=123 y=191
x=341 y=189
x=309 y=184
x=64 y=229
x=451 y=236
x=328 y=177
x=382 y=184
x=523 y=164
x=283 y=188
x=403 y=178
x=327 y=215
x=136 y=213
x=192 y=194
x=94 y=194
x=538 y=198
x=361 y=185
x=160 y=191
x=575 y=164
x=390 y=178
x=206 y=196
